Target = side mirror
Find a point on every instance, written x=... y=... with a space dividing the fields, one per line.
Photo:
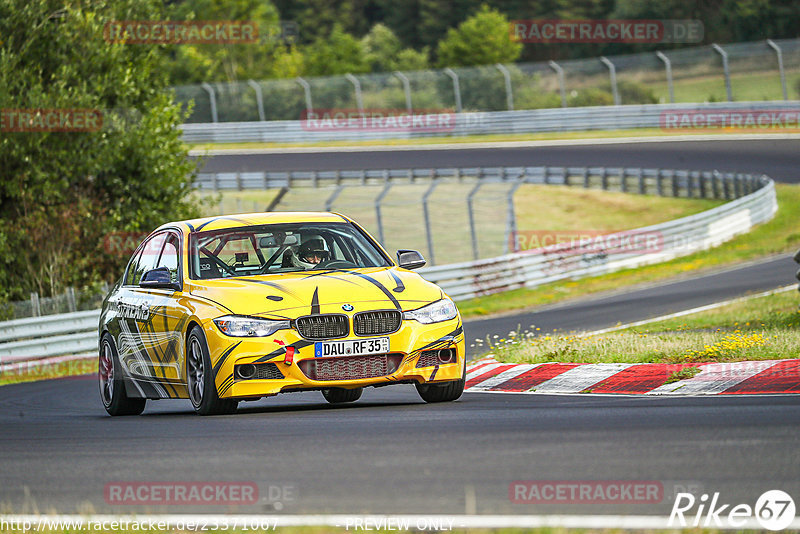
x=410 y=259
x=159 y=279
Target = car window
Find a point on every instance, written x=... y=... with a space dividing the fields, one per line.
x=280 y=248
x=148 y=257
x=129 y=274
x=169 y=257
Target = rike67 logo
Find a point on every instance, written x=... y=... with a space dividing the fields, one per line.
x=774 y=510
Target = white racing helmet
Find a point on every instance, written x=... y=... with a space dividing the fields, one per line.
x=311 y=247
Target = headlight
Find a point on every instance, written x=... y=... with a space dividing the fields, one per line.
x=239 y=326
x=441 y=310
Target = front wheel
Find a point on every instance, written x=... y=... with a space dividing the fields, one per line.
x=341 y=395
x=446 y=392
x=112 y=388
x=200 y=378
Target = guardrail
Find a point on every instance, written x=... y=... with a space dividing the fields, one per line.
x=576 y=260
x=51 y=335
x=797 y=274
x=754 y=202
x=496 y=122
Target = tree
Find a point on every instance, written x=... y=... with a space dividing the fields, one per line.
x=482 y=39
x=383 y=52
x=338 y=53
x=63 y=193
x=228 y=62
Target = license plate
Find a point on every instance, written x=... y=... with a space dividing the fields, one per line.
x=351 y=347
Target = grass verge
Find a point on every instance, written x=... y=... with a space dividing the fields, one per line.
x=780 y=235
x=759 y=328
x=34 y=371
x=488 y=138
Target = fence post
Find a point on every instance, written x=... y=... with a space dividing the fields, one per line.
x=560 y=73
x=406 y=89
x=378 y=201
x=509 y=94
x=259 y=99
x=357 y=87
x=612 y=73
x=71 y=306
x=427 y=218
x=675 y=190
x=668 y=68
x=36 y=310
x=471 y=215
x=332 y=198
x=724 y=55
x=659 y=183
x=212 y=99
x=277 y=200
x=307 y=91
x=778 y=52
x=456 y=87
x=511 y=220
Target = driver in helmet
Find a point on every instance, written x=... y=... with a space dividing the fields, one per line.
x=311 y=253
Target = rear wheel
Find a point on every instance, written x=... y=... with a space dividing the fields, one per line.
x=112 y=388
x=445 y=392
x=200 y=378
x=341 y=395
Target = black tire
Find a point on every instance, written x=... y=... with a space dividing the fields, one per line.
x=200 y=378
x=112 y=387
x=445 y=392
x=341 y=395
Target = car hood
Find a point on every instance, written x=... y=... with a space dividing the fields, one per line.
x=295 y=294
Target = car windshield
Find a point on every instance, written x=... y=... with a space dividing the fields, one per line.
x=280 y=248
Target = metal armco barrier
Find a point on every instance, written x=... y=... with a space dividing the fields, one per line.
x=51 y=335
x=577 y=260
x=496 y=122
x=754 y=202
x=797 y=274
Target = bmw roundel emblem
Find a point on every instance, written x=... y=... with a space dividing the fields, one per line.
x=347 y=307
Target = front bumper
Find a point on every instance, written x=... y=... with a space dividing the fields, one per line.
x=405 y=348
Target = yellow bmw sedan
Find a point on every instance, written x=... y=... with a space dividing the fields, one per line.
x=229 y=309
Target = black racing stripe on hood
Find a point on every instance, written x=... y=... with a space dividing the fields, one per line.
x=372 y=281
x=279 y=287
x=315 y=302
x=400 y=286
x=328 y=274
x=224 y=357
x=299 y=344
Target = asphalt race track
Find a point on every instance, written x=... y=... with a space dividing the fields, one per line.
x=776 y=157
x=391 y=453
